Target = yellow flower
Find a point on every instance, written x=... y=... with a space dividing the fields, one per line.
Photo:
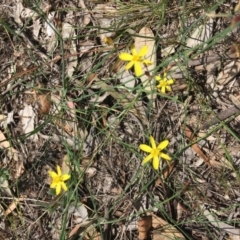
x=58 y=180
x=155 y=152
x=164 y=83
x=135 y=59
x=108 y=41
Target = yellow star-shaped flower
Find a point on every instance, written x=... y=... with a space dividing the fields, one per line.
x=58 y=180
x=136 y=59
x=164 y=83
x=155 y=152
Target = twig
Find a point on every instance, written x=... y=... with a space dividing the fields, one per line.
x=222 y=116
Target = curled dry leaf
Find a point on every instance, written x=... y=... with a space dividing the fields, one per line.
x=88 y=234
x=45 y=103
x=144 y=227
x=91 y=233
x=163 y=230
x=146 y=38
x=43 y=97
x=189 y=135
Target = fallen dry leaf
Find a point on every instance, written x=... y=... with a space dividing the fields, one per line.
x=219 y=224
x=89 y=234
x=68 y=33
x=4 y=185
x=144 y=227
x=85 y=13
x=13 y=206
x=43 y=97
x=229 y=72
x=27 y=118
x=201 y=34
x=189 y=135
x=163 y=230
x=6 y=145
x=126 y=78
x=72 y=108
x=79 y=211
x=65 y=164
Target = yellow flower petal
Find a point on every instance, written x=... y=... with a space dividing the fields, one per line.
x=58 y=188
x=163 y=145
x=155 y=162
x=108 y=41
x=65 y=177
x=157 y=78
x=64 y=186
x=134 y=51
x=169 y=88
x=52 y=174
x=138 y=69
x=59 y=172
x=152 y=141
x=146 y=159
x=165 y=156
x=145 y=148
x=170 y=81
x=147 y=62
x=125 y=56
x=129 y=65
x=163 y=89
x=53 y=185
x=143 y=51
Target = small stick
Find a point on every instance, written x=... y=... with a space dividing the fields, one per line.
x=221 y=116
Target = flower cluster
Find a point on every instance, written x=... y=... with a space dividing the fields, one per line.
x=155 y=152
x=136 y=60
x=58 y=180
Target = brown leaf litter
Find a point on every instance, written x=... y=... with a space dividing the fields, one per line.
x=89 y=116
